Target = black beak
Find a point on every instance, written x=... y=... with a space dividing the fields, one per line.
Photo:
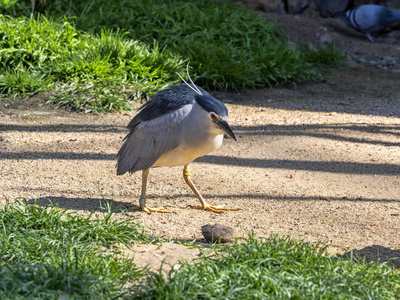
x=225 y=127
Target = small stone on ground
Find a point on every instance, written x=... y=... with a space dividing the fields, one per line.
x=218 y=233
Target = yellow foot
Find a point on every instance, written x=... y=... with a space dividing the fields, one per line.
x=149 y=210
x=216 y=209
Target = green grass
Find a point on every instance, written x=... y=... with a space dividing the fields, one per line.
x=327 y=55
x=134 y=48
x=276 y=268
x=37 y=54
x=46 y=252
x=92 y=97
x=228 y=47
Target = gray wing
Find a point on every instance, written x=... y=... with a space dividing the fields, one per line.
x=165 y=102
x=368 y=18
x=148 y=140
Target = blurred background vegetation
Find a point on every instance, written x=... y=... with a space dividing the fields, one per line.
x=99 y=55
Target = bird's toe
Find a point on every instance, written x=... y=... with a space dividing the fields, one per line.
x=216 y=209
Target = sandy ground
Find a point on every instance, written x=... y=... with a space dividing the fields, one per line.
x=318 y=161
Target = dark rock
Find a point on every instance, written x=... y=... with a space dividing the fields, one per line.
x=300 y=6
x=218 y=233
x=326 y=8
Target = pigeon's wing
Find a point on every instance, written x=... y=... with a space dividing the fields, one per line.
x=150 y=139
x=369 y=18
x=366 y=18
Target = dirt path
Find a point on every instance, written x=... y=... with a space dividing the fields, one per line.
x=319 y=161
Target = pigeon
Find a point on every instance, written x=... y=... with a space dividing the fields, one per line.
x=369 y=18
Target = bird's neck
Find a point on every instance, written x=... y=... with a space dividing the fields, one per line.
x=396 y=15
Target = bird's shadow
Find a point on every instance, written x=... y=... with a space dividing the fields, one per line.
x=82 y=204
x=103 y=204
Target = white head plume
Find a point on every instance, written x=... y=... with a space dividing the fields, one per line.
x=194 y=87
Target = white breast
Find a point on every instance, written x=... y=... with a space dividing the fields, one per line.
x=198 y=137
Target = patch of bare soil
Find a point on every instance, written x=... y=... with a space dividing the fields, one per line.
x=318 y=161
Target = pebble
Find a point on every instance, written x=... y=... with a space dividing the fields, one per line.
x=218 y=233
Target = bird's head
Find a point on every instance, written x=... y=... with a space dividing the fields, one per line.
x=221 y=124
x=217 y=113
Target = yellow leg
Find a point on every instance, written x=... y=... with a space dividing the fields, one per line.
x=142 y=200
x=204 y=204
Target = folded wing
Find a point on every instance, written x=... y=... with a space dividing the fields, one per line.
x=148 y=140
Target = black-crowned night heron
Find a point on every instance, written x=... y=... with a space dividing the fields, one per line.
x=174 y=128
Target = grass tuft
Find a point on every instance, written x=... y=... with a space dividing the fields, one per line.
x=92 y=97
x=38 y=54
x=48 y=251
x=327 y=55
x=276 y=268
x=22 y=82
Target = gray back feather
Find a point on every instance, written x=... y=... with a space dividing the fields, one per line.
x=156 y=129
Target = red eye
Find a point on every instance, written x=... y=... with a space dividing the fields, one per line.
x=213 y=116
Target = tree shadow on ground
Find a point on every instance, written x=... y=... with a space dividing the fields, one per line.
x=348 y=132
x=100 y=204
x=322 y=166
x=376 y=253
x=64 y=128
